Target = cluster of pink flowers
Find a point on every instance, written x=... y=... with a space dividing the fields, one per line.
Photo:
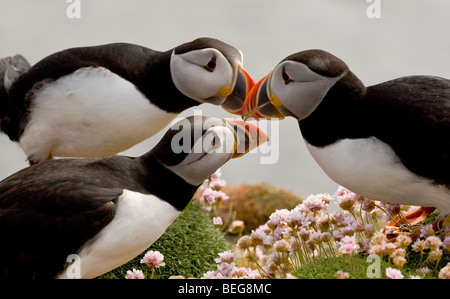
x=292 y=238
x=211 y=195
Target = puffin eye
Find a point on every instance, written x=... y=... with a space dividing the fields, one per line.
x=215 y=141
x=211 y=65
x=285 y=76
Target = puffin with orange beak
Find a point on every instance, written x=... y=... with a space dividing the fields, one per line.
x=388 y=142
x=106 y=211
x=98 y=101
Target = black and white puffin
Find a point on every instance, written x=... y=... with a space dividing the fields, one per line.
x=101 y=100
x=388 y=142
x=108 y=210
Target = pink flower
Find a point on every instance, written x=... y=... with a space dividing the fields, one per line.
x=226 y=269
x=393 y=273
x=209 y=195
x=323 y=223
x=281 y=246
x=216 y=175
x=446 y=244
x=368 y=205
x=427 y=231
x=259 y=237
x=314 y=203
x=346 y=199
x=445 y=272
x=134 y=274
x=316 y=237
x=300 y=218
x=339 y=218
x=391 y=209
x=348 y=245
x=418 y=246
x=433 y=243
x=153 y=259
x=225 y=257
x=278 y=217
x=217 y=221
x=215 y=182
x=341 y=275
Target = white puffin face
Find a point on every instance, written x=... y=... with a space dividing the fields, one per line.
x=196 y=147
x=204 y=75
x=298 y=89
x=207 y=155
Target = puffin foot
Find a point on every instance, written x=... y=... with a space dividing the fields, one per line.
x=407 y=223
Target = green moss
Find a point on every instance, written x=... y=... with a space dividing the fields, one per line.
x=326 y=268
x=358 y=267
x=189 y=246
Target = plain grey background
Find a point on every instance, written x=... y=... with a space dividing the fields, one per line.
x=411 y=37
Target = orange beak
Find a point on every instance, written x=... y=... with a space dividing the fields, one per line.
x=241 y=86
x=247 y=137
x=250 y=108
x=260 y=103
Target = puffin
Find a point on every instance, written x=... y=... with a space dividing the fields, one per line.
x=389 y=142
x=101 y=100
x=107 y=210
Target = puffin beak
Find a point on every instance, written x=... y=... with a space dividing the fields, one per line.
x=235 y=97
x=260 y=103
x=247 y=137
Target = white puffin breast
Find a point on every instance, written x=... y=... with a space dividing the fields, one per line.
x=91 y=112
x=139 y=221
x=370 y=167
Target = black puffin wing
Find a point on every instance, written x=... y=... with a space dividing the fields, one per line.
x=413 y=116
x=43 y=219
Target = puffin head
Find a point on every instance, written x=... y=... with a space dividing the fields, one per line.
x=210 y=71
x=296 y=86
x=195 y=147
